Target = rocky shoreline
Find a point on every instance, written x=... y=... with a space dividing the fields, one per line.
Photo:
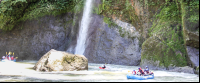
x=185 y=69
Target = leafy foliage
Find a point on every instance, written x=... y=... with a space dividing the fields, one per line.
x=191 y=14
x=193 y=7
x=14 y=11
x=166 y=22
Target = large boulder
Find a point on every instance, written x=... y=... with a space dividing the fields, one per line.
x=61 y=61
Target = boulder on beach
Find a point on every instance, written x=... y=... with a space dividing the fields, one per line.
x=61 y=61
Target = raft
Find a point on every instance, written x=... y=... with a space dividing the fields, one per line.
x=131 y=76
x=101 y=68
x=8 y=60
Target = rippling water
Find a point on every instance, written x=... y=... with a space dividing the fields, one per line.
x=23 y=72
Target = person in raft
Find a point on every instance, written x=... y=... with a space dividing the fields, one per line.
x=104 y=66
x=141 y=73
x=134 y=72
x=3 y=57
x=12 y=57
x=146 y=70
x=9 y=55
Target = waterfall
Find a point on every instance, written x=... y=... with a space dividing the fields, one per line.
x=80 y=47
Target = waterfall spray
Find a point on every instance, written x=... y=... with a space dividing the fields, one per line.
x=80 y=47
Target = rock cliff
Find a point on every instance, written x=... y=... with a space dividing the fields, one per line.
x=134 y=32
x=32 y=39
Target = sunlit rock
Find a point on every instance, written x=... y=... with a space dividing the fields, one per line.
x=61 y=61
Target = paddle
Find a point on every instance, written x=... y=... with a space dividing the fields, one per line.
x=129 y=72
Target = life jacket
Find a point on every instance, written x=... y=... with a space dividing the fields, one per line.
x=12 y=58
x=141 y=71
x=134 y=72
x=147 y=70
x=151 y=73
x=7 y=57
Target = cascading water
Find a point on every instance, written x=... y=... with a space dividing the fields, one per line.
x=80 y=47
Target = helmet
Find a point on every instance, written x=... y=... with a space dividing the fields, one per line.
x=138 y=68
x=133 y=70
x=9 y=53
x=146 y=66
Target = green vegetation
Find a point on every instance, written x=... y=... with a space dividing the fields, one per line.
x=115 y=8
x=14 y=11
x=167 y=24
x=168 y=27
x=197 y=68
x=190 y=14
x=120 y=9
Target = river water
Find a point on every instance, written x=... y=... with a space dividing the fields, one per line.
x=23 y=72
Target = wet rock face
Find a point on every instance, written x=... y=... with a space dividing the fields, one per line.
x=155 y=56
x=193 y=54
x=105 y=45
x=191 y=38
x=36 y=37
x=61 y=61
x=151 y=55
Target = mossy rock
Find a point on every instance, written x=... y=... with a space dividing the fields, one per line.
x=156 y=56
